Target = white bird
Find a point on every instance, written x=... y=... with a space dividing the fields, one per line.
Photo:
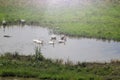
x=61 y=41
x=35 y=40
x=4 y=22
x=53 y=37
x=38 y=41
x=22 y=20
x=51 y=42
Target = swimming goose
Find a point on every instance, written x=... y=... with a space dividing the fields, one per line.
x=61 y=41
x=51 y=42
x=53 y=37
x=38 y=41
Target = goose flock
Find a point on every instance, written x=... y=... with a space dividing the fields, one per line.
x=52 y=40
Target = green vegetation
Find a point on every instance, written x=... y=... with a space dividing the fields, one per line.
x=36 y=66
x=93 y=19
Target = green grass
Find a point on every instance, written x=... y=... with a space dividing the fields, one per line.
x=94 y=20
x=15 y=65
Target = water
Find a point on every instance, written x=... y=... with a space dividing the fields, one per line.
x=74 y=49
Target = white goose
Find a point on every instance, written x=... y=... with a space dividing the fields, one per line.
x=22 y=21
x=51 y=42
x=61 y=41
x=53 y=37
x=38 y=41
x=4 y=22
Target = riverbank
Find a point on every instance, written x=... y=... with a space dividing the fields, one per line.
x=94 y=20
x=36 y=66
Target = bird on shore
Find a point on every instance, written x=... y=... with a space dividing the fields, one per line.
x=4 y=23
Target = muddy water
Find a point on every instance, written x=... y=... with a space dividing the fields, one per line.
x=83 y=49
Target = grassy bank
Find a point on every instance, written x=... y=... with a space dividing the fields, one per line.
x=36 y=66
x=94 y=19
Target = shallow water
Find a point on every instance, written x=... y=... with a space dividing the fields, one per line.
x=74 y=49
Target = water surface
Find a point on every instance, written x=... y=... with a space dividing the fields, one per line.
x=74 y=49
